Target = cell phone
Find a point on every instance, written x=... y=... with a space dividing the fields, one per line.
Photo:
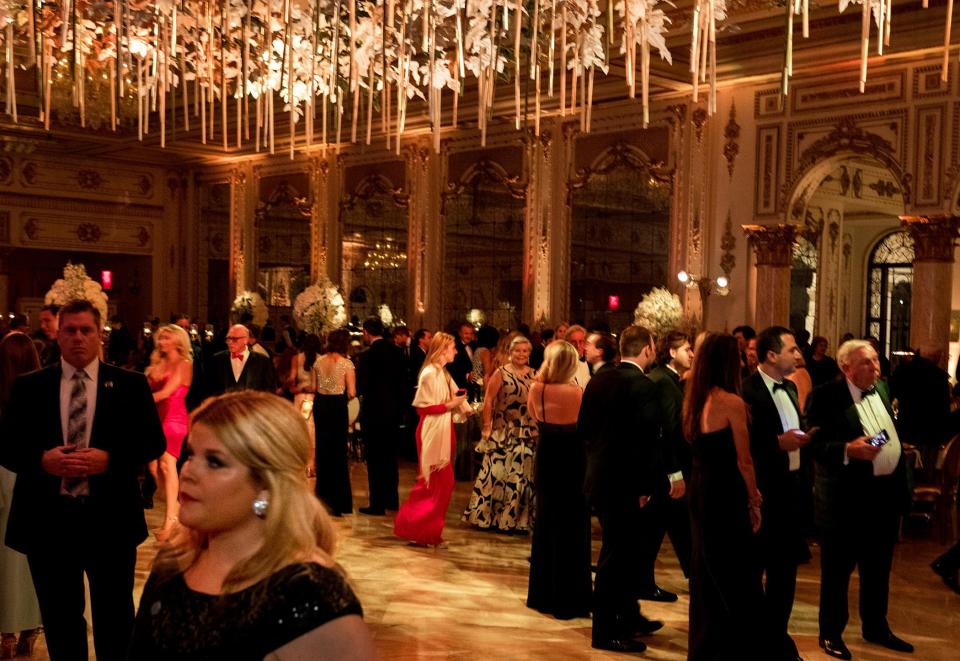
x=812 y=431
x=461 y=392
x=880 y=439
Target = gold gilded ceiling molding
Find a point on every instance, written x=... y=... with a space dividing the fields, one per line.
x=934 y=237
x=773 y=243
x=731 y=132
x=514 y=185
x=846 y=140
x=376 y=185
x=621 y=154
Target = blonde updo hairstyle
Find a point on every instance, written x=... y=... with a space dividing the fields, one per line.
x=265 y=434
x=560 y=360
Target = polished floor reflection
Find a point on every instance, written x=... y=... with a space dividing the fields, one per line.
x=466 y=601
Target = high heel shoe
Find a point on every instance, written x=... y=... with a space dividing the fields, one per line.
x=8 y=646
x=163 y=534
x=28 y=640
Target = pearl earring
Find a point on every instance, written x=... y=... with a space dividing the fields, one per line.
x=260 y=504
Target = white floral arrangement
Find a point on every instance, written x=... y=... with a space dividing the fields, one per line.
x=76 y=285
x=320 y=308
x=659 y=311
x=385 y=314
x=249 y=302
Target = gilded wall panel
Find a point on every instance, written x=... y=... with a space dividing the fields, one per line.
x=83 y=179
x=64 y=231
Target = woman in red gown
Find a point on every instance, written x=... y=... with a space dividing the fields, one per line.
x=170 y=374
x=421 y=517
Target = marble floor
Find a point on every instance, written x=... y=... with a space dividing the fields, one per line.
x=466 y=601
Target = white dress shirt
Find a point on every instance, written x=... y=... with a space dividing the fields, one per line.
x=66 y=390
x=874 y=417
x=238 y=363
x=789 y=418
x=582 y=375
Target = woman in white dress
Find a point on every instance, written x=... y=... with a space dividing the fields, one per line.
x=19 y=610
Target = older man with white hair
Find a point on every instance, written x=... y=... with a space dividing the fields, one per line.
x=861 y=492
x=239 y=368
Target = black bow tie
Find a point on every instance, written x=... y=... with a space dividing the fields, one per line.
x=781 y=386
x=869 y=391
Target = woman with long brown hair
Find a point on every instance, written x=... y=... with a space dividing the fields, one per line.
x=335 y=384
x=19 y=610
x=421 y=517
x=725 y=584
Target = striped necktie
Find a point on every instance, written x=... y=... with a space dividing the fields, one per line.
x=76 y=430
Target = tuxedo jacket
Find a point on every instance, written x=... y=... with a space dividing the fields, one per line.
x=675 y=450
x=462 y=364
x=839 y=488
x=620 y=421
x=772 y=465
x=382 y=384
x=125 y=425
x=257 y=374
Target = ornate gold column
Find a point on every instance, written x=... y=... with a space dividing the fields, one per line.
x=545 y=193
x=933 y=243
x=324 y=214
x=774 y=246
x=425 y=178
x=242 y=232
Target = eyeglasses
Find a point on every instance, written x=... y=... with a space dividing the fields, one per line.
x=235 y=339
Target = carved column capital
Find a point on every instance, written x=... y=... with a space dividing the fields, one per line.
x=773 y=243
x=933 y=236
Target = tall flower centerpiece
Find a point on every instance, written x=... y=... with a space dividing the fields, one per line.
x=320 y=308
x=76 y=285
x=250 y=302
x=659 y=311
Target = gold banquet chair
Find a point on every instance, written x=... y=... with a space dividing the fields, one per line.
x=939 y=497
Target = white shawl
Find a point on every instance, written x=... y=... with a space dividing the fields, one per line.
x=434 y=387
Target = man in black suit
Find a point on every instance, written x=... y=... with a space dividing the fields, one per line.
x=239 y=368
x=776 y=436
x=674 y=357
x=600 y=351
x=461 y=369
x=861 y=492
x=619 y=419
x=383 y=391
x=75 y=434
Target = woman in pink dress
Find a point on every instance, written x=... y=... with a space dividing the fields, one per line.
x=170 y=374
x=422 y=516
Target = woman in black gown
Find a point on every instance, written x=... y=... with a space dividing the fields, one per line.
x=334 y=382
x=725 y=582
x=249 y=573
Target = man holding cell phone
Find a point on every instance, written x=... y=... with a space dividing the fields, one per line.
x=861 y=493
x=776 y=436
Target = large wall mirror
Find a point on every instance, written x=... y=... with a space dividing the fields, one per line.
x=215 y=295
x=282 y=220
x=620 y=236
x=483 y=243
x=374 y=274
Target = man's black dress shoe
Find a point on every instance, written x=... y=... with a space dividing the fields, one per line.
x=628 y=645
x=372 y=511
x=890 y=641
x=658 y=594
x=644 y=625
x=835 y=648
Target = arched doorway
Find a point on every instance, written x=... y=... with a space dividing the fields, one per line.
x=848 y=190
x=889 y=291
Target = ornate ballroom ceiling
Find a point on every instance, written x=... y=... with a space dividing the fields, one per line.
x=750 y=46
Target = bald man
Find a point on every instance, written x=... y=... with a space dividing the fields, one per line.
x=238 y=368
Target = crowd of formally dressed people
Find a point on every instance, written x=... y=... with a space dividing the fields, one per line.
x=739 y=447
